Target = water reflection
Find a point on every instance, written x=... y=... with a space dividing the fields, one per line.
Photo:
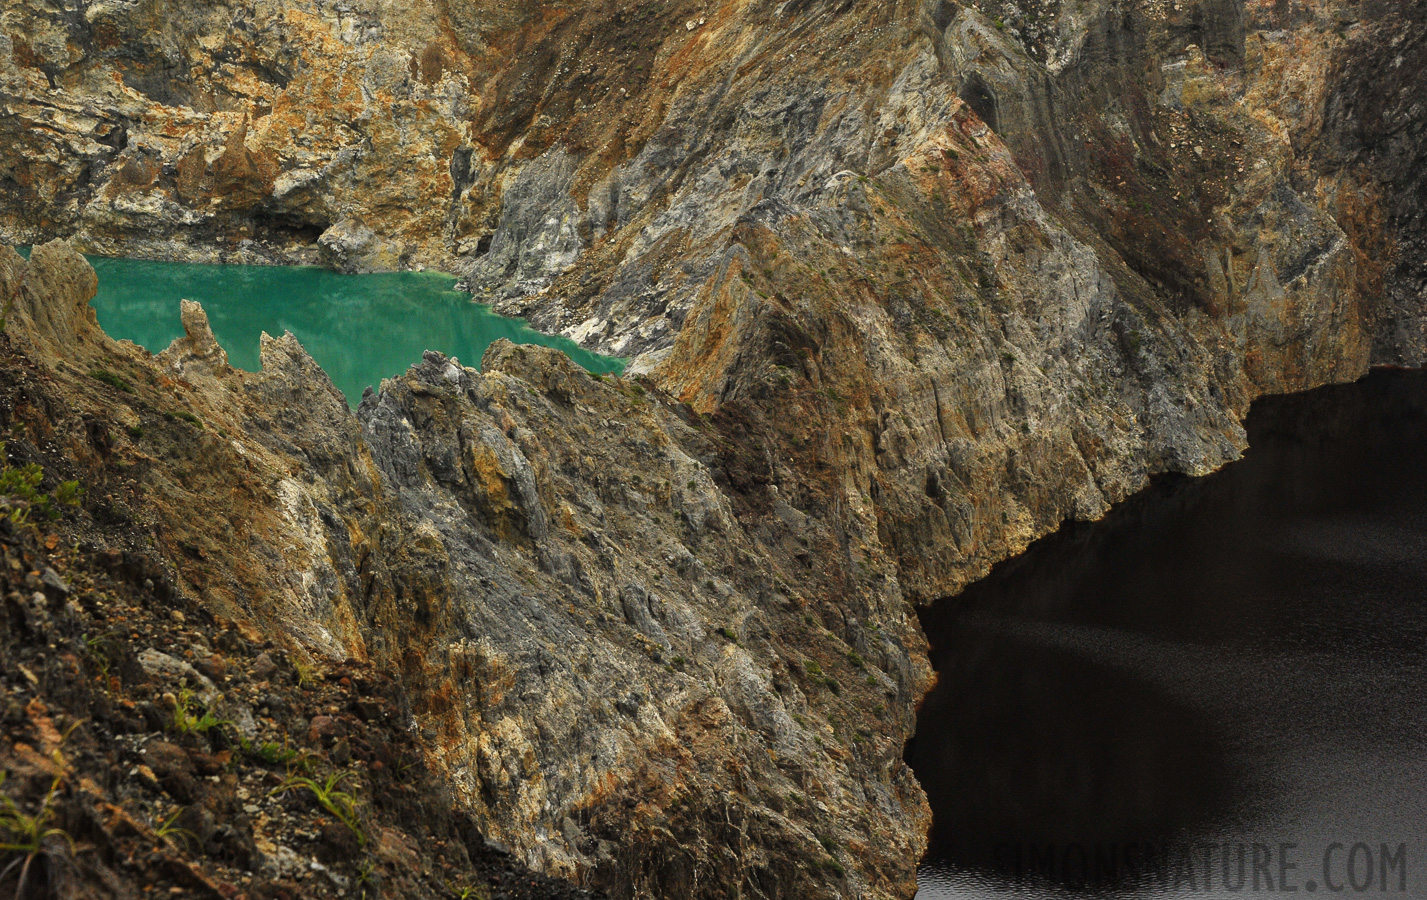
x=1227 y=661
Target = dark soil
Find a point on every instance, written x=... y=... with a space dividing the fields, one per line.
x=104 y=743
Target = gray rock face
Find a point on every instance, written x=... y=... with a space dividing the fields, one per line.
x=351 y=246
x=1373 y=122
x=538 y=235
x=176 y=672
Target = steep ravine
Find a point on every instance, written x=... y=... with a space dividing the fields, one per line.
x=905 y=287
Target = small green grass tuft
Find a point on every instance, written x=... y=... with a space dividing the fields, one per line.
x=272 y=753
x=68 y=493
x=188 y=417
x=101 y=649
x=109 y=378
x=166 y=830
x=341 y=804
x=25 y=836
x=21 y=487
x=187 y=721
x=306 y=672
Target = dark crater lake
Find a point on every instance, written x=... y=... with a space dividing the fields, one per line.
x=1219 y=690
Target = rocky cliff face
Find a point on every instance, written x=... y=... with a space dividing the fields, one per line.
x=635 y=668
x=905 y=287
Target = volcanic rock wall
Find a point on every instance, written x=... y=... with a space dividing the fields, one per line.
x=906 y=285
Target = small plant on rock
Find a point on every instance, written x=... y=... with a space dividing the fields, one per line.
x=29 y=837
x=272 y=753
x=68 y=493
x=101 y=649
x=187 y=721
x=166 y=830
x=341 y=804
x=114 y=381
x=188 y=417
x=306 y=673
x=21 y=494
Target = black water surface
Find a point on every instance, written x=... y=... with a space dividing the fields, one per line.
x=1221 y=667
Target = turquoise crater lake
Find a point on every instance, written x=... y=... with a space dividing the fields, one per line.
x=359 y=328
